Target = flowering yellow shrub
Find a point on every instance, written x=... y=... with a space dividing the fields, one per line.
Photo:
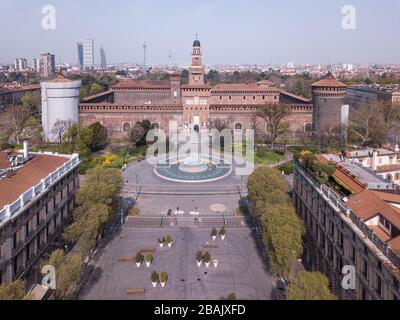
x=304 y=152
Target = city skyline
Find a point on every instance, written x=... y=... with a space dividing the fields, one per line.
x=260 y=33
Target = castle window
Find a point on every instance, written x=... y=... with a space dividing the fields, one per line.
x=263 y=97
x=254 y=97
x=244 y=97
x=220 y=97
x=230 y=98
x=238 y=126
x=127 y=127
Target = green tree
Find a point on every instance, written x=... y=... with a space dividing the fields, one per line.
x=266 y=186
x=13 y=290
x=68 y=272
x=96 y=201
x=77 y=139
x=33 y=102
x=282 y=237
x=310 y=286
x=99 y=136
x=274 y=115
x=95 y=88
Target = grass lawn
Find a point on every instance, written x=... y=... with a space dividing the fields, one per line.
x=262 y=155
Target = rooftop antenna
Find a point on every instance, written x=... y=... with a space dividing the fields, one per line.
x=144 y=58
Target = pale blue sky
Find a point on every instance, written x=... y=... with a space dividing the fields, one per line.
x=231 y=31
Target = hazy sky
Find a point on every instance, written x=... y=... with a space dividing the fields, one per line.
x=231 y=31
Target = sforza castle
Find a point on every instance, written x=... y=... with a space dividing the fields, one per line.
x=196 y=105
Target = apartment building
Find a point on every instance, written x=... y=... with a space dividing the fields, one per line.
x=385 y=163
x=36 y=203
x=359 y=229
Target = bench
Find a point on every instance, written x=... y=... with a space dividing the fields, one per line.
x=210 y=245
x=125 y=258
x=132 y=291
x=152 y=250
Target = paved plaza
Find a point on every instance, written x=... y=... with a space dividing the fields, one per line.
x=240 y=268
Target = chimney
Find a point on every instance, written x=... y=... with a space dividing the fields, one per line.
x=374 y=160
x=26 y=153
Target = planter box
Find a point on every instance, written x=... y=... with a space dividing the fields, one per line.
x=169 y=244
x=207 y=264
x=163 y=284
x=215 y=263
x=161 y=244
x=148 y=264
x=138 y=264
x=214 y=237
x=222 y=236
x=198 y=263
x=154 y=284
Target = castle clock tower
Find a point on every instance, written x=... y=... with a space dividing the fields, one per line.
x=196 y=94
x=196 y=70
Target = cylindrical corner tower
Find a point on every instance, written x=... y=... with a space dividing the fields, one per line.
x=328 y=98
x=60 y=101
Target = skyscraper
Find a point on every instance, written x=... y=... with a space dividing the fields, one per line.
x=80 y=54
x=88 y=54
x=47 y=65
x=103 y=60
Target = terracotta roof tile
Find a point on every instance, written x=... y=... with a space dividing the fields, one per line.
x=142 y=84
x=367 y=205
x=253 y=87
x=329 y=81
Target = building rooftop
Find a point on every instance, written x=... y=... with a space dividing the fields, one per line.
x=27 y=176
x=329 y=81
x=367 y=152
x=142 y=84
x=356 y=177
x=368 y=205
x=230 y=87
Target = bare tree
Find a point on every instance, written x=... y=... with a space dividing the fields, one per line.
x=19 y=115
x=274 y=115
x=59 y=128
x=370 y=124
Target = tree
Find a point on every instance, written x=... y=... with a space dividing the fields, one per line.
x=310 y=286
x=185 y=76
x=369 y=125
x=136 y=133
x=33 y=102
x=59 y=128
x=274 y=114
x=266 y=186
x=77 y=139
x=99 y=136
x=19 y=115
x=32 y=130
x=68 y=272
x=282 y=237
x=282 y=228
x=96 y=201
x=95 y=88
x=13 y=290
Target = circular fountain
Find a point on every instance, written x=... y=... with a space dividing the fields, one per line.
x=193 y=167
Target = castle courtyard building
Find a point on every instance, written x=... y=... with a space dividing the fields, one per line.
x=194 y=106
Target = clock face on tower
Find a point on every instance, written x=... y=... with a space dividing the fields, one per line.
x=196 y=78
